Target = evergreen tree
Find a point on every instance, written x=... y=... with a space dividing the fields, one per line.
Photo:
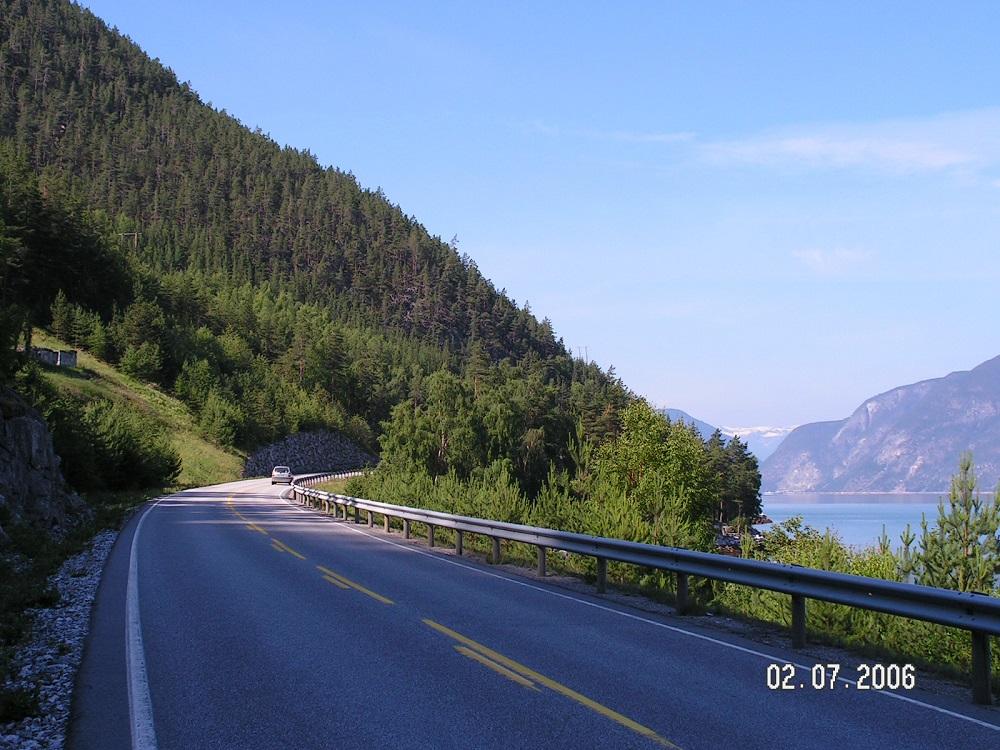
x=962 y=551
x=62 y=317
x=740 y=484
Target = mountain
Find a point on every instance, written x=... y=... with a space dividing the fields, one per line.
x=676 y=415
x=908 y=439
x=192 y=188
x=761 y=441
x=269 y=293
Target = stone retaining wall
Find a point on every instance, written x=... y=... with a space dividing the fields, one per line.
x=307 y=452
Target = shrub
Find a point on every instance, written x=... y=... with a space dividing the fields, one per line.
x=221 y=420
x=142 y=362
x=132 y=450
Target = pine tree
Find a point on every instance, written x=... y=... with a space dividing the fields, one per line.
x=62 y=317
x=962 y=551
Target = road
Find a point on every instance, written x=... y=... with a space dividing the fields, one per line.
x=253 y=623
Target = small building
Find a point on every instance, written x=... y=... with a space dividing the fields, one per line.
x=45 y=356
x=67 y=358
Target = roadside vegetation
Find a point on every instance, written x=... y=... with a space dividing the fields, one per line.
x=657 y=481
x=95 y=406
x=336 y=486
x=959 y=550
x=635 y=488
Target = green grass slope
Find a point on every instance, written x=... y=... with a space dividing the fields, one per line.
x=202 y=462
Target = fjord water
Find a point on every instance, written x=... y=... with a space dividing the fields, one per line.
x=858 y=519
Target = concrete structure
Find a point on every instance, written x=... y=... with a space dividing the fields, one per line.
x=62 y=358
x=46 y=356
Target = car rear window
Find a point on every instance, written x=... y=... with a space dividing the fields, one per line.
x=281 y=469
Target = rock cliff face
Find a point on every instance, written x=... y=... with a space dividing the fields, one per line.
x=307 y=452
x=906 y=440
x=32 y=488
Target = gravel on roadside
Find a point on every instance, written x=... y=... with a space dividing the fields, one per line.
x=50 y=659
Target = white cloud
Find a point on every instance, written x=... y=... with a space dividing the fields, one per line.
x=962 y=141
x=841 y=152
x=831 y=262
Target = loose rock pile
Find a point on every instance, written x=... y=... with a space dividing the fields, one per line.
x=307 y=452
x=50 y=660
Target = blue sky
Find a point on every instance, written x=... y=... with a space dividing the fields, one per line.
x=760 y=213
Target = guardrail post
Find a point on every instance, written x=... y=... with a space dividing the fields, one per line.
x=385 y=521
x=682 y=593
x=798 y=621
x=982 y=691
x=406 y=528
x=326 y=506
x=430 y=535
x=371 y=520
x=602 y=575
x=495 y=556
x=541 y=562
x=458 y=542
x=357 y=515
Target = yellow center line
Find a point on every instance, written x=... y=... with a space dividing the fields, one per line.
x=232 y=508
x=335 y=582
x=499 y=669
x=558 y=687
x=285 y=548
x=256 y=528
x=353 y=585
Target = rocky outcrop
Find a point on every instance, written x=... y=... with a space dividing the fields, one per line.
x=908 y=439
x=307 y=452
x=32 y=489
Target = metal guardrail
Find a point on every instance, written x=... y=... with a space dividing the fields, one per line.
x=977 y=613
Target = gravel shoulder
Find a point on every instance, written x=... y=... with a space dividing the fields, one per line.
x=50 y=659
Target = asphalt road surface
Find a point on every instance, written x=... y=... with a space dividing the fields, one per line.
x=236 y=619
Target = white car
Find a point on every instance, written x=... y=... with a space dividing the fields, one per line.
x=281 y=475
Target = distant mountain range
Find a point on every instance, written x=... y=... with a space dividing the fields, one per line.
x=762 y=441
x=908 y=439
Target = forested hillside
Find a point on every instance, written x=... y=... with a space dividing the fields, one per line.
x=267 y=292
x=205 y=193
x=273 y=295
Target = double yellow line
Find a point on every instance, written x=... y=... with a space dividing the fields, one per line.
x=346 y=583
x=328 y=575
x=487 y=657
x=528 y=678
x=282 y=547
x=275 y=543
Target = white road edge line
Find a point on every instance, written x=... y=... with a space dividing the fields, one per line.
x=629 y=615
x=140 y=707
